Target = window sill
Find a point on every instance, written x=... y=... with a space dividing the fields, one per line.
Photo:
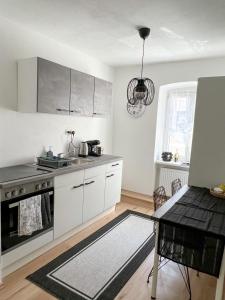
x=173 y=165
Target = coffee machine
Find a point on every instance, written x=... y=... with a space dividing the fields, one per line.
x=93 y=148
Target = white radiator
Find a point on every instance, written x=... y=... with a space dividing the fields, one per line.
x=166 y=176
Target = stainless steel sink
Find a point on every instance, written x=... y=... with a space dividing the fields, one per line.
x=79 y=161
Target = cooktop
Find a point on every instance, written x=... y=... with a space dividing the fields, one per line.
x=20 y=172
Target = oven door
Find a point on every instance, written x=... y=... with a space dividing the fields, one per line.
x=11 y=216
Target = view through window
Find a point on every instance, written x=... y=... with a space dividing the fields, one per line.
x=179 y=121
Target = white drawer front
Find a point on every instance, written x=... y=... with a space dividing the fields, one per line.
x=69 y=179
x=95 y=171
x=114 y=165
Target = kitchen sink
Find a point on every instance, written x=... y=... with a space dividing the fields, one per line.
x=79 y=161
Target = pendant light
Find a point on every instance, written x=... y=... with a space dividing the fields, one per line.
x=141 y=89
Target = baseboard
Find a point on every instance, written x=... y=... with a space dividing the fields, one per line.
x=138 y=196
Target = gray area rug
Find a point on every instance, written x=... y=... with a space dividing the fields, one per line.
x=99 y=266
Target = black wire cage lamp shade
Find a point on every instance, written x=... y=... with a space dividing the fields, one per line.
x=141 y=89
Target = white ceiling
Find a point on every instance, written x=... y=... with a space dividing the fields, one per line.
x=105 y=29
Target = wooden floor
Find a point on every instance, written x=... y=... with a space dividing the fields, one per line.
x=170 y=284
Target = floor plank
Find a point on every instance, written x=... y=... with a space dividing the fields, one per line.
x=170 y=283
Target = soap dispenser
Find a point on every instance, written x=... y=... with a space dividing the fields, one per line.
x=50 y=153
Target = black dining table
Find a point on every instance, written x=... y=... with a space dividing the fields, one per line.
x=190 y=230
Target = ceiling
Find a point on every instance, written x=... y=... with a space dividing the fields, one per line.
x=106 y=29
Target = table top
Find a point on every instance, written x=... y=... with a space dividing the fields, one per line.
x=194 y=207
x=169 y=203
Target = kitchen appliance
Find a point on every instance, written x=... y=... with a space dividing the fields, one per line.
x=12 y=194
x=53 y=162
x=83 y=151
x=10 y=210
x=20 y=172
x=98 y=150
x=94 y=149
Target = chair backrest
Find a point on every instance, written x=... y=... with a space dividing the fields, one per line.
x=159 y=197
x=176 y=186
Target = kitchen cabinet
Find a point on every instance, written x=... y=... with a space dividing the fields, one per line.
x=113 y=188
x=69 y=196
x=82 y=93
x=94 y=194
x=102 y=97
x=47 y=87
x=82 y=195
x=53 y=89
x=43 y=86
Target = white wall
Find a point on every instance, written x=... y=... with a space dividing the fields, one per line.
x=135 y=138
x=23 y=136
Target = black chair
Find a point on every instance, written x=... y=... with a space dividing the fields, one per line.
x=176 y=186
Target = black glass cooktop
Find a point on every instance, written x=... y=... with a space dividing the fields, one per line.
x=20 y=172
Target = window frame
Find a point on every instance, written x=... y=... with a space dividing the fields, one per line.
x=162 y=118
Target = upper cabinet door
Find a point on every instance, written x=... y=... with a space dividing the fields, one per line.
x=102 y=97
x=82 y=94
x=53 y=92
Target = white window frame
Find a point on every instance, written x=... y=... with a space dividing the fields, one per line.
x=161 y=115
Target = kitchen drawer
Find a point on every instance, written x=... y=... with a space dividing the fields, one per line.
x=96 y=171
x=114 y=165
x=69 y=179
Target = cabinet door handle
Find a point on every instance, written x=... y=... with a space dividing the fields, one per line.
x=77 y=186
x=77 y=111
x=98 y=114
x=115 y=165
x=86 y=183
x=109 y=175
x=62 y=109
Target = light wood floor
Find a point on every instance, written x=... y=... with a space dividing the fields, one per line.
x=170 y=284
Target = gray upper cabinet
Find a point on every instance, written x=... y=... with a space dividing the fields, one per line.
x=47 y=87
x=102 y=97
x=53 y=90
x=82 y=93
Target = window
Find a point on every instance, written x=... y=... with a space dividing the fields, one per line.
x=179 y=107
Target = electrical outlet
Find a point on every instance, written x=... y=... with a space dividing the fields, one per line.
x=70 y=132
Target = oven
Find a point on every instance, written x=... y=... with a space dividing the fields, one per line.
x=27 y=211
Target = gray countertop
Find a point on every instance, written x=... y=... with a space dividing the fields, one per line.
x=95 y=161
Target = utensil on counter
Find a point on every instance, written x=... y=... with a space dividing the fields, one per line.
x=54 y=162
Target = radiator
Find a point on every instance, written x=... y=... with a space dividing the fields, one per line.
x=166 y=176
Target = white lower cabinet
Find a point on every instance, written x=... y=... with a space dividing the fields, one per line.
x=68 y=209
x=94 y=194
x=82 y=195
x=113 y=188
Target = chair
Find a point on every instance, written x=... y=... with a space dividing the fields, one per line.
x=159 y=197
x=176 y=186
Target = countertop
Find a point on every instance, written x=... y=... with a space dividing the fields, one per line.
x=95 y=161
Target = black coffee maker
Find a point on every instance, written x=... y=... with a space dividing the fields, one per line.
x=92 y=145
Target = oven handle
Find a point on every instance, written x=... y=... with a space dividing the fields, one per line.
x=17 y=203
x=14 y=204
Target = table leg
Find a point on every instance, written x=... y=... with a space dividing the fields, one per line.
x=156 y=264
x=220 y=280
